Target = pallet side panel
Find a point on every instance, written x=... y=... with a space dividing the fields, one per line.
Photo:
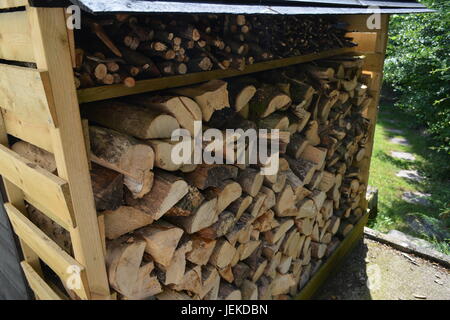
x=15 y=37
x=45 y=188
x=55 y=257
x=37 y=104
x=40 y=288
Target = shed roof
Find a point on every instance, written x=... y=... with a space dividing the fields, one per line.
x=252 y=6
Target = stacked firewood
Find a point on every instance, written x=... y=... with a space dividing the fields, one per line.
x=223 y=231
x=123 y=48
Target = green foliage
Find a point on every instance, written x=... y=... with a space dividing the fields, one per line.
x=418 y=68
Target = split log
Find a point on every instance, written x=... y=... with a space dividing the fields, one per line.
x=210 y=96
x=161 y=240
x=202 y=250
x=205 y=175
x=203 y=217
x=125 y=155
x=267 y=100
x=166 y=192
x=188 y=204
x=124 y=220
x=227 y=192
x=251 y=181
x=220 y=228
x=137 y=121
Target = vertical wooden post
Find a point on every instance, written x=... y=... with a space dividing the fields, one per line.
x=52 y=52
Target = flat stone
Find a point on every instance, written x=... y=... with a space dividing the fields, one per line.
x=403 y=155
x=399 y=140
x=407 y=238
x=410 y=174
x=416 y=198
x=398 y=131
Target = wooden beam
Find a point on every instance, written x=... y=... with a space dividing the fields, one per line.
x=37 y=104
x=114 y=91
x=50 y=191
x=15 y=37
x=34 y=133
x=54 y=256
x=5 y=4
x=40 y=288
x=52 y=53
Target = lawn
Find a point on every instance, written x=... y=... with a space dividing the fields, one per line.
x=392 y=210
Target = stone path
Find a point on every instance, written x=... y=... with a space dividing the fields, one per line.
x=416 y=198
x=402 y=141
x=397 y=131
x=403 y=155
x=410 y=174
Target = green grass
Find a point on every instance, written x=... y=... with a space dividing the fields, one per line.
x=392 y=210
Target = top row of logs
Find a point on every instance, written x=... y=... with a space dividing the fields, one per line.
x=125 y=48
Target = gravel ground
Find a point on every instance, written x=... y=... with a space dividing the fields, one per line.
x=374 y=271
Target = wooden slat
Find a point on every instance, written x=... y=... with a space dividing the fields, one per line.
x=49 y=190
x=34 y=133
x=114 y=91
x=40 y=288
x=4 y=4
x=15 y=37
x=27 y=93
x=53 y=54
x=55 y=257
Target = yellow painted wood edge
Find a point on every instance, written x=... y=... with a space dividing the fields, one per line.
x=49 y=190
x=333 y=261
x=40 y=288
x=27 y=106
x=66 y=267
x=5 y=4
x=114 y=91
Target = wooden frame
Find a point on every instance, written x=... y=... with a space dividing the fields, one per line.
x=41 y=37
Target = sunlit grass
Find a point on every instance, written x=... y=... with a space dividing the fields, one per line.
x=392 y=210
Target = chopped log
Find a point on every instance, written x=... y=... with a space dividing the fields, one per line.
x=334 y=225
x=220 y=228
x=184 y=109
x=267 y=100
x=188 y=204
x=311 y=133
x=162 y=239
x=174 y=273
x=318 y=250
x=137 y=121
x=147 y=286
x=107 y=186
x=270 y=200
x=227 y=192
x=274 y=121
x=247 y=248
x=266 y=222
x=303 y=169
x=240 y=272
x=241 y=91
x=125 y=155
x=123 y=260
x=307 y=208
x=304 y=226
x=239 y=206
x=124 y=220
x=313 y=154
x=164 y=154
x=41 y=157
x=327 y=182
x=297 y=146
x=210 y=96
x=166 y=192
x=202 y=250
x=210 y=279
x=275 y=234
x=205 y=175
x=203 y=217
x=251 y=181
x=249 y=290
x=229 y=292
x=222 y=255
x=285 y=203
x=192 y=280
